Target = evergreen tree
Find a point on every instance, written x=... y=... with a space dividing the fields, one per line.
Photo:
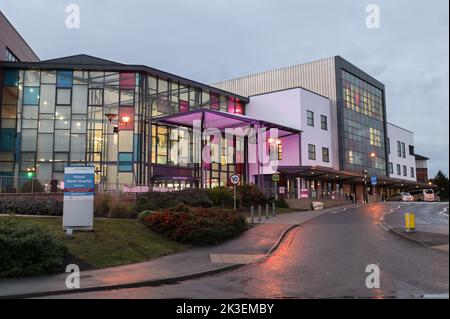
x=441 y=181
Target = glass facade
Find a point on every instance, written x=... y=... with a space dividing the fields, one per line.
x=362 y=126
x=54 y=118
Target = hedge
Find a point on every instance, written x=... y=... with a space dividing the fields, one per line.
x=28 y=250
x=196 y=226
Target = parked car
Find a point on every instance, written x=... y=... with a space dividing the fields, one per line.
x=424 y=195
x=402 y=197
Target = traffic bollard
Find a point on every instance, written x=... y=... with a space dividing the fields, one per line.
x=267 y=211
x=410 y=223
x=273 y=210
x=252 y=215
x=259 y=213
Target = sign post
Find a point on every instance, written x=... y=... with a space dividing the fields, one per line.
x=78 y=209
x=275 y=179
x=374 y=182
x=235 y=180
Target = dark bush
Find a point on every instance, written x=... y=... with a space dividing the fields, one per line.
x=162 y=200
x=250 y=195
x=220 y=196
x=101 y=205
x=31 y=206
x=28 y=250
x=32 y=186
x=197 y=226
x=122 y=209
x=281 y=203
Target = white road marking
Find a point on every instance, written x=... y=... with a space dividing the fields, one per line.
x=444 y=212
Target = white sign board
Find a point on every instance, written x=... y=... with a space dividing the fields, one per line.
x=78 y=211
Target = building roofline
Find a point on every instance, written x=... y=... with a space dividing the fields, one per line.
x=116 y=66
x=421 y=157
x=397 y=126
x=20 y=36
x=269 y=70
x=292 y=88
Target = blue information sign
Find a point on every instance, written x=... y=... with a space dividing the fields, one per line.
x=78 y=182
x=373 y=180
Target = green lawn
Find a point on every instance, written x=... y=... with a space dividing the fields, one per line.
x=114 y=242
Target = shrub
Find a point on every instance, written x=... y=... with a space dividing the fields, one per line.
x=281 y=203
x=101 y=205
x=144 y=214
x=28 y=250
x=35 y=206
x=32 y=186
x=197 y=226
x=162 y=200
x=122 y=209
x=220 y=196
x=250 y=195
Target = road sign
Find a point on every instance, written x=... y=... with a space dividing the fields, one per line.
x=373 y=180
x=235 y=179
x=275 y=177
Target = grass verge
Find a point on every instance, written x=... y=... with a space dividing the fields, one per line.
x=113 y=242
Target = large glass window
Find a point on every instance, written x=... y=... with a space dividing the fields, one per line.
x=63 y=96
x=375 y=137
x=362 y=125
x=96 y=97
x=47 y=99
x=79 y=103
x=62 y=140
x=45 y=147
x=31 y=95
x=64 y=79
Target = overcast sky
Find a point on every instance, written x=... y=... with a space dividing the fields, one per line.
x=212 y=40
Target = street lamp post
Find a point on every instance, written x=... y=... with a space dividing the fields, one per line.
x=124 y=119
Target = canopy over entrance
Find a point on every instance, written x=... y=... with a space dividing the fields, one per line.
x=332 y=175
x=220 y=120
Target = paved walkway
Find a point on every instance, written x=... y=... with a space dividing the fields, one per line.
x=252 y=245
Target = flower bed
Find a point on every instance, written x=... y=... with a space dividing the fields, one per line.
x=197 y=226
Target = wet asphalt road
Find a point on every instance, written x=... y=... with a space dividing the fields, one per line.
x=325 y=258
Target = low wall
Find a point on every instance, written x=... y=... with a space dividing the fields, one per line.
x=305 y=204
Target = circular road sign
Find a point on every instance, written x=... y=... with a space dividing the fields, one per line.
x=235 y=179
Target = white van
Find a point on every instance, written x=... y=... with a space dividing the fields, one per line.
x=423 y=195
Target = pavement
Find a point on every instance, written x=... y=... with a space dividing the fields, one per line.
x=254 y=245
x=431 y=230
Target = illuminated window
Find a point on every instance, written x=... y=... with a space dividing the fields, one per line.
x=374 y=137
